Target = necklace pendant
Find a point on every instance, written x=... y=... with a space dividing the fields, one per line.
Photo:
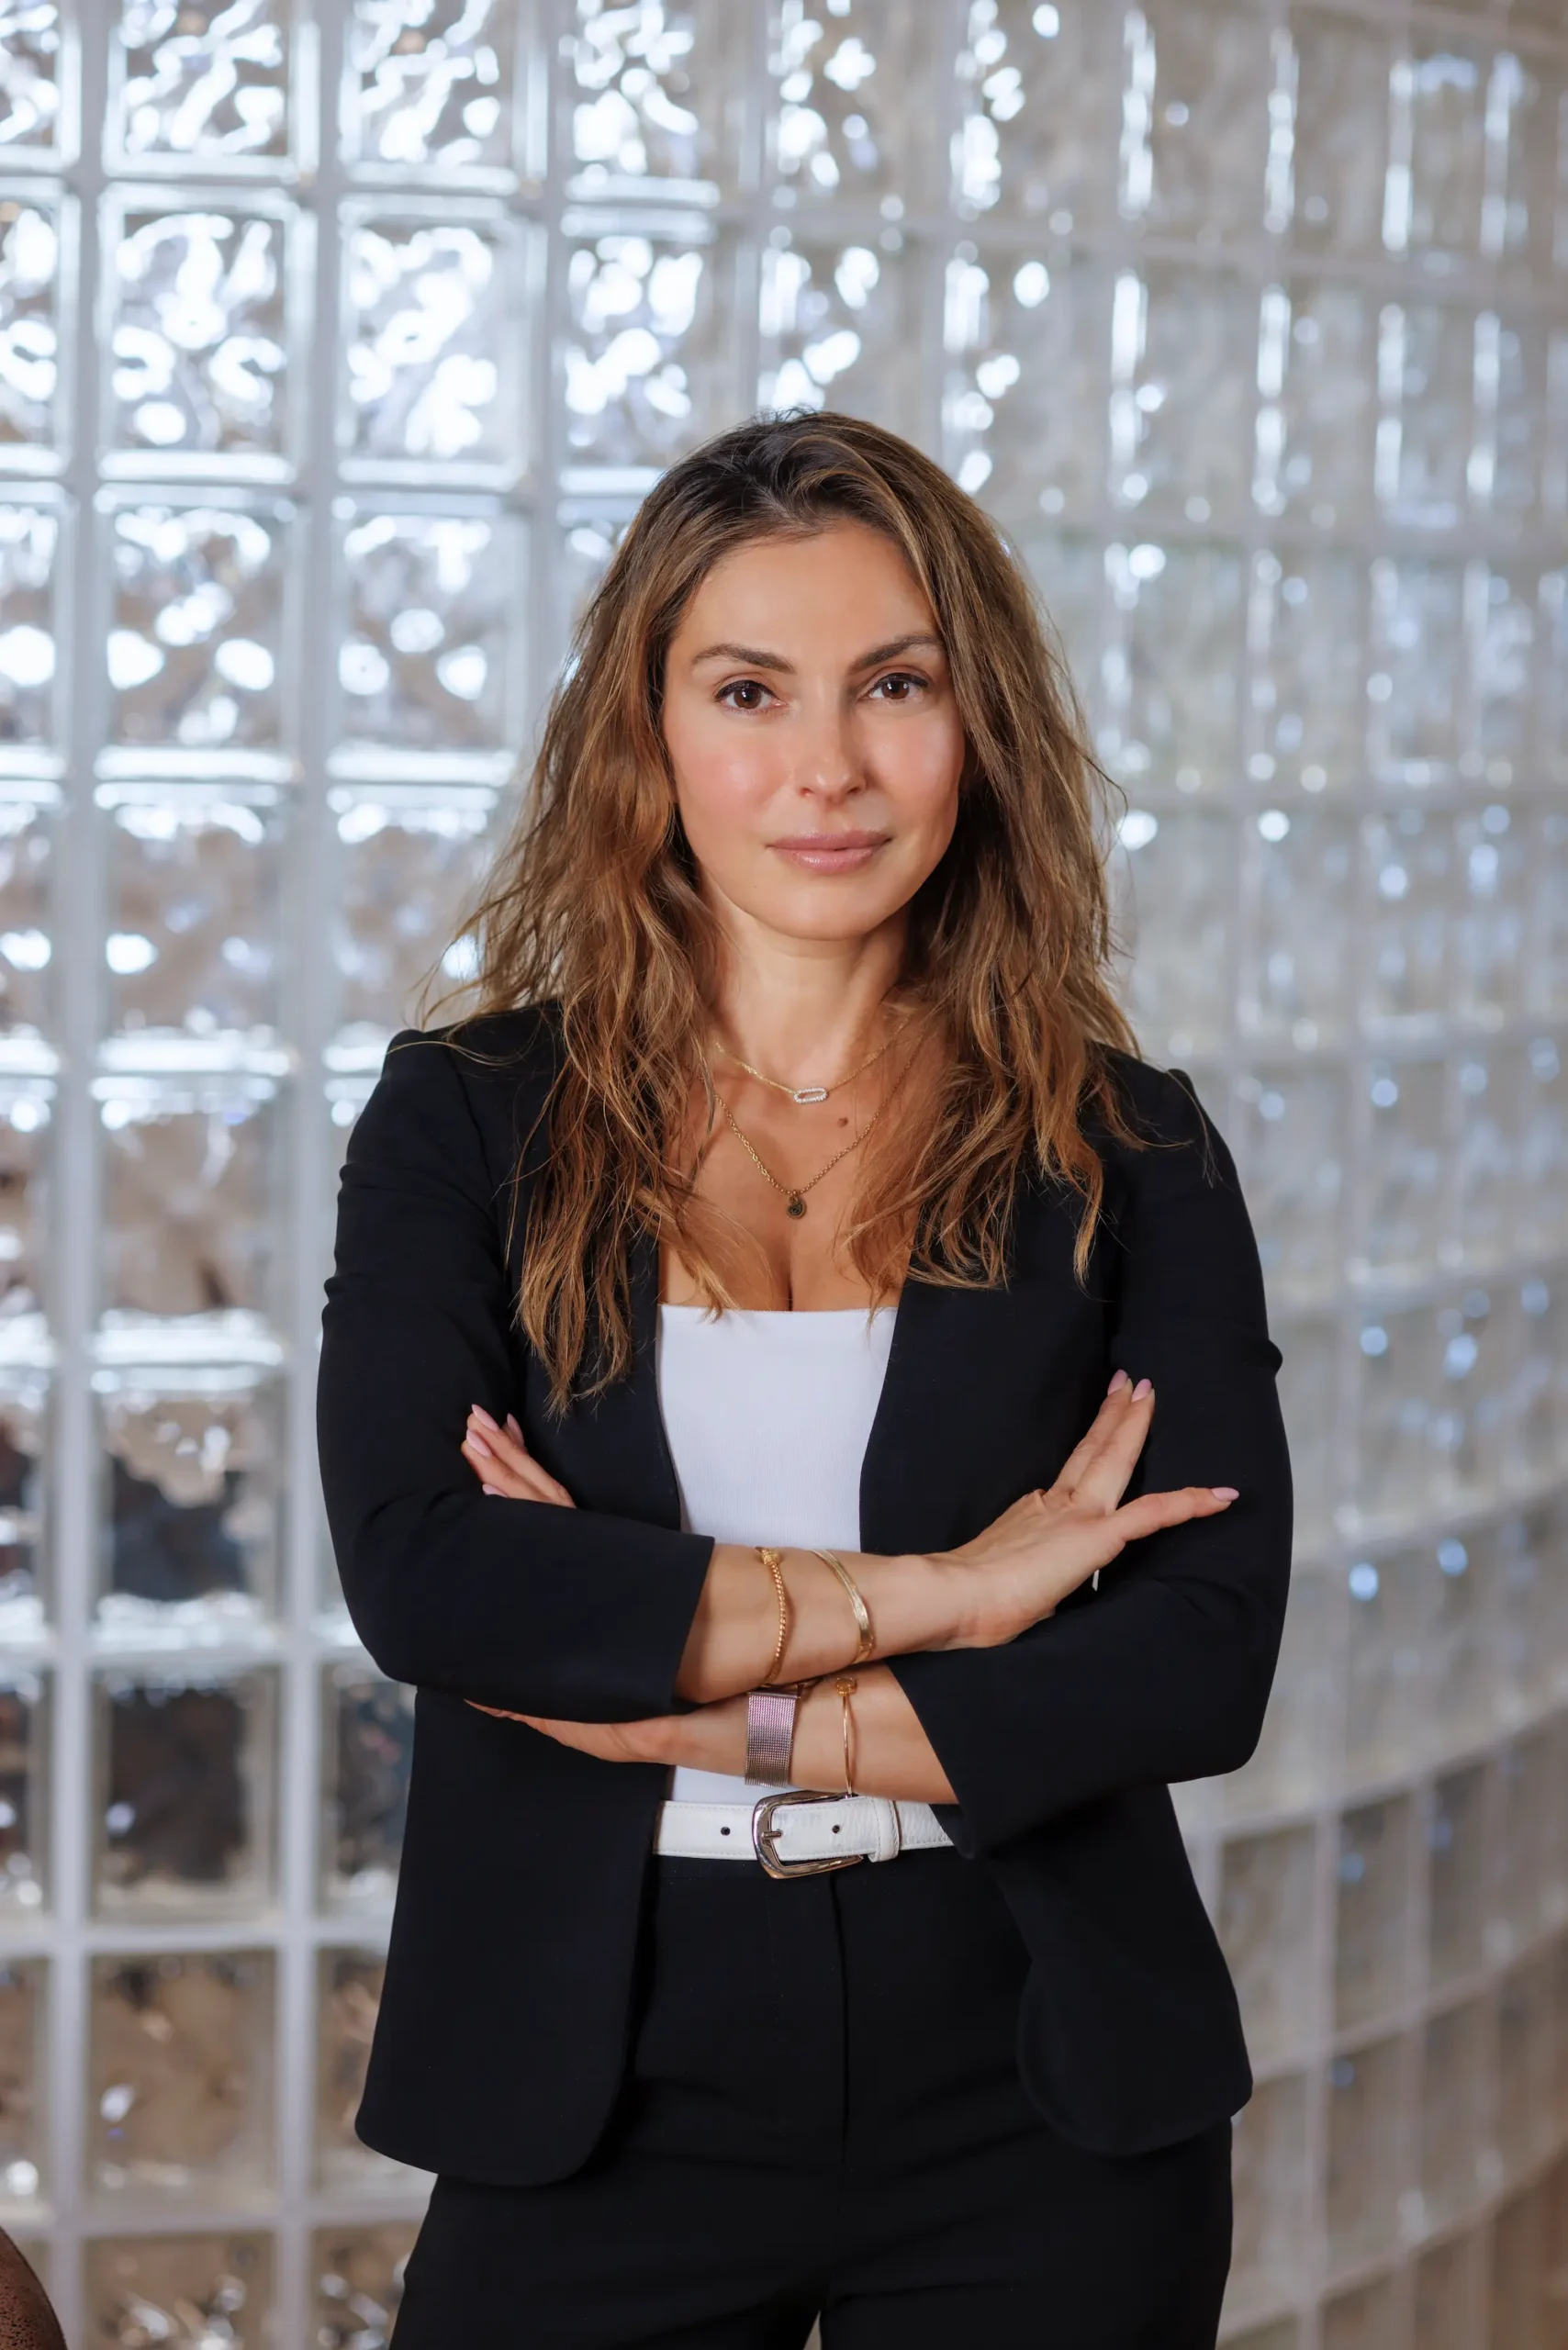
x=795 y=1205
x=805 y=1093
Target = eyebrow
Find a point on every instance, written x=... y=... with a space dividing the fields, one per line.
x=754 y=657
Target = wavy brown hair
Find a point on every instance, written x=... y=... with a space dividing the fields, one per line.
x=594 y=906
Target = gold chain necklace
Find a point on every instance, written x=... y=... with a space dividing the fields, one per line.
x=794 y=1194
x=804 y=1094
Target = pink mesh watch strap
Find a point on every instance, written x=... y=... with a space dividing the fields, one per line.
x=769 y=1735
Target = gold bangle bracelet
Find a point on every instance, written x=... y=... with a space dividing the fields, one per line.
x=867 y=1638
x=846 y=1684
x=773 y=1560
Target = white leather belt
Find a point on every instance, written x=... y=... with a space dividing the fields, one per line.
x=798 y=1833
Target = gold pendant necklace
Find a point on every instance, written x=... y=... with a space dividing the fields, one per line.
x=794 y=1194
x=806 y=1094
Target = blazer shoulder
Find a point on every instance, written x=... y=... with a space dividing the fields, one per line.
x=479 y=1082
x=1159 y=1106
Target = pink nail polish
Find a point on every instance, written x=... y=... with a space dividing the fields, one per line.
x=1224 y=1493
x=478 y=1445
x=1118 y=1380
x=1145 y=1387
x=478 y=1413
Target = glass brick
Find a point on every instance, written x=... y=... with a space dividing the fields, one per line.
x=588 y=536
x=367 y=1746
x=1339 y=155
x=1545 y=978
x=23 y=2163
x=1416 y=655
x=30 y=562
x=1552 y=678
x=1408 y=862
x=196 y=638
x=27 y=1112
x=431 y=656
x=1403 y=1216
x=1460 y=1644
x=1183 y=368
x=190 y=1183
x=1318 y=373
x=27 y=829
x=434 y=89
x=36 y=89
x=193 y=911
x=1491 y=869
x=349 y=1993
x=1369 y=2154
x=187 y=1769
x=1267 y=1902
x=836 y=325
x=1170 y=684
x=1522 y=387
x=1439 y=119
x=1292 y=1141
x=1024 y=406
x=1501 y=618
x=24 y=1814
x=1488 y=1086
x=1307 y=714
x=35 y=244
x=408 y=867
x=358 y=2279
x=1369 y=2318
x=1038 y=89
x=1195 y=94
x=183 y=2292
x=657 y=99
x=435 y=345
x=1371 y=1912
x=1403 y=1417
x=1448 y=2302
x=1287 y=1769
x=1543 y=1147
x=206 y=312
x=1271 y=2170
x=191 y=1501
x=1455 y=2068
x=1460 y=1865
x=1297 y=972
x=1518 y=2309
x=853 y=113
x=1387 y=1617
x=1308 y=1390
x=24 y=1406
x=1425 y=353
x=1525 y=2059
x=647 y=359
x=209 y=86
x=1174 y=877
x=179 y=2083
x=1068 y=569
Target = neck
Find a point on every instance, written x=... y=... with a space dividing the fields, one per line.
x=805 y=1013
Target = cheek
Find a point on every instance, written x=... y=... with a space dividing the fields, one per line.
x=720 y=779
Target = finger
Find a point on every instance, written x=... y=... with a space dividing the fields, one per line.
x=499 y=1712
x=502 y=1442
x=528 y=1485
x=1104 y=1478
x=1112 y=1411
x=1152 y=1512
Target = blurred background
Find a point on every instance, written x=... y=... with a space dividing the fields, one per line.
x=339 y=339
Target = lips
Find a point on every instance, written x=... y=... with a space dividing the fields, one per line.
x=831 y=852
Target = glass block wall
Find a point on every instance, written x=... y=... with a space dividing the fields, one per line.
x=337 y=343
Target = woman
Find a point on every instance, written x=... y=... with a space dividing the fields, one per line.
x=794 y=1006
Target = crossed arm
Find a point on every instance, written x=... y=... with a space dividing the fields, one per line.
x=982 y=1594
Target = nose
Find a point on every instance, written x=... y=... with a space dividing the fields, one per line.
x=827 y=764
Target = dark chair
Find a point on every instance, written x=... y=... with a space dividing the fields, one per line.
x=27 y=2321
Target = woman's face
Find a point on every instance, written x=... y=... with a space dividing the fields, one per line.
x=812 y=726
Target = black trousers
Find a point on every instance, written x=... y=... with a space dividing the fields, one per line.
x=823 y=2113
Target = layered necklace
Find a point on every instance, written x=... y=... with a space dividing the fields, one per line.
x=804 y=1095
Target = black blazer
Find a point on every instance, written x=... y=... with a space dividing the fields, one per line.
x=505 y=2014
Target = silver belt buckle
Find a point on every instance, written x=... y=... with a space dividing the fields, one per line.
x=764 y=1836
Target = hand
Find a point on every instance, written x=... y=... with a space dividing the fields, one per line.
x=710 y=1737
x=1051 y=1540
x=503 y=1464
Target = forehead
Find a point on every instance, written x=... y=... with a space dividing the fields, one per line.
x=845 y=572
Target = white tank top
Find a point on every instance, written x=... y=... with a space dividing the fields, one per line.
x=767 y=1413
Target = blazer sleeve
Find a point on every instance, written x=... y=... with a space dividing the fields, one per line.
x=572 y=1614
x=1164 y=1673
